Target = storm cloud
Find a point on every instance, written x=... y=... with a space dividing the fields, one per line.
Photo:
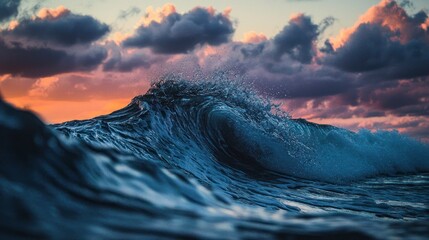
x=181 y=33
x=282 y=67
x=387 y=44
x=371 y=48
x=58 y=27
x=53 y=42
x=8 y=9
x=41 y=62
x=297 y=39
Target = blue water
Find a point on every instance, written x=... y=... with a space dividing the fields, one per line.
x=207 y=159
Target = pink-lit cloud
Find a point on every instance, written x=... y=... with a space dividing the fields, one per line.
x=254 y=37
x=391 y=15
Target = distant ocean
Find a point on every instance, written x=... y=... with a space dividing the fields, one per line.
x=210 y=160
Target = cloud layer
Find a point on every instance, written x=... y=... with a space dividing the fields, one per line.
x=386 y=43
x=297 y=39
x=181 y=33
x=41 y=62
x=57 y=27
x=53 y=42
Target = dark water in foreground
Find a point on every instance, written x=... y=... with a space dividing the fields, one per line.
x=207 y=160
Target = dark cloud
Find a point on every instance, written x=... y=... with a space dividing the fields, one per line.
x=56 y=41
x=297 y=39
x=66 y=29
x=387 y=53
x=8 y=9
x=414 y=64
x=372 y=47
x=368 y=48
x=407 y=97
x=41 y=62
x=178 y=33
x=403 y=98
x=280 y=67
x=388 y=44
x=357 y=89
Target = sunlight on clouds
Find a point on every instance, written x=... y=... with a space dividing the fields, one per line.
x=46 y=13
x=119 y=37
x=254 y=37
x=156 y=15
x=13 y=24
x=60 y=111
x=388 y=14
x=425 y=25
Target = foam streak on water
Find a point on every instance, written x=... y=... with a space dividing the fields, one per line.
x=207 y=160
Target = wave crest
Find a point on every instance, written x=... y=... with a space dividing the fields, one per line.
x=232 y=124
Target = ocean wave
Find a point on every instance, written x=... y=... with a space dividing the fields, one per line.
x=232 y=124
x=206 y=159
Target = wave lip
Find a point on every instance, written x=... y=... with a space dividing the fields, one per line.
x=238 y=126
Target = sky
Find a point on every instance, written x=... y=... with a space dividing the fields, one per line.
x=353 y=64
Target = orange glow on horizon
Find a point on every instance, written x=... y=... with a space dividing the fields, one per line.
x=52 y=111
x=156 y=15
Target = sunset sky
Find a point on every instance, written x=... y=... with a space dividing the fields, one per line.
x=353 y=64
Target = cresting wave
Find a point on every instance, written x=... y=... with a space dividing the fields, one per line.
x=206 y=159
x=234 y=125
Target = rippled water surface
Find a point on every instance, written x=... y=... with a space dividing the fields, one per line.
x=207 y=160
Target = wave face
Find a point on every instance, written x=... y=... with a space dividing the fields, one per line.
x=207 y=159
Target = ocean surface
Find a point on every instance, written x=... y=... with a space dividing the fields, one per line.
x=210 y=160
